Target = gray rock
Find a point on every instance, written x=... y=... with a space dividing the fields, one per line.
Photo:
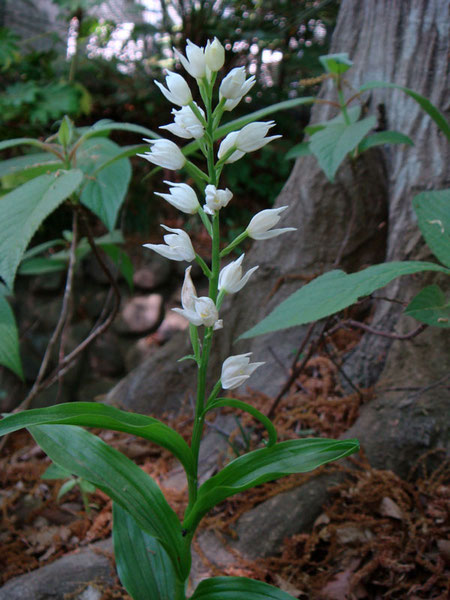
x=140 y=315
x=105 y=355
x=72 y=574
x=154 y=273
x=261 y=530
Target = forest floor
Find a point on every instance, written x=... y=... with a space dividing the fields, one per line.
x=378 y=537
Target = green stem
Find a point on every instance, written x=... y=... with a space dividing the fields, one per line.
x=203 y=265
x=342 y=102
x=240 y=238
x=205 y=220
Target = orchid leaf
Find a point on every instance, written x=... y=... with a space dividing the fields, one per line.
x=143 y=566
x=87 y=456
x=9 y=336
x=241 y=588
x=266 y=464
x=91 y=414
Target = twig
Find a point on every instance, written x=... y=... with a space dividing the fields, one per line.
x=341 y=370
x=37 y=386
x=429 y=387
x=295 y=370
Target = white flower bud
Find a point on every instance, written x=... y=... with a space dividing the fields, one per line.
x=216 y=199
x=252 y=136
x=195 y=61
x=182 y=196
x=214 y=55
x=230 y=277
x=237 y=369
x=178 y=245
x=164 y=153
x=227 y=144
x=234 y=86
x=186 y=124
x=262 y=222
x=198 y=311
x=178 y=91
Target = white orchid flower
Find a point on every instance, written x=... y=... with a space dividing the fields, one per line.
x=237 y=369
x=260 y=227
x=230 y=277
x=164 y=153
x=216 y=199
x=186 y=125
x=195 y=61
x=252 y=136
x=182 y=197
x=234 y=87
x=227 y=144
x=214 y=55
x=177 y=90
x=178 y=245
x=198 y=311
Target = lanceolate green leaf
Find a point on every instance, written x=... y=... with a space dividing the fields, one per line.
x=314 y=301
x=426 y=105
x=87 y=456
x=236 y=124
x=384 y=137
x=266 y=464
x=331 y=144
x=127 y=151
x=430 y=306
x=91 y=414
x=105 y=191
x=106 y=126
x=21 y=142
x=143 y=565
x=24 y=209
x=9 y=337
x=220 y=402
x=433 y=214
x=237 y=588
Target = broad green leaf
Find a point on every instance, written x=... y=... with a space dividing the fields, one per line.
x=301 y=149
x=433 y=214
x=237 y=588
x=384 y=137
x=266 y=464
x=425 y=104
x=331 y=144
x=122 y=260
x=91 y=414
x=353 y=114
x=105 y=191
x=9 y=338
x=87 y=456
x=220 y=402
x=332 y=292
x=142 y=563
x=430 y=307
x=24 y=209
x=336 y=63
